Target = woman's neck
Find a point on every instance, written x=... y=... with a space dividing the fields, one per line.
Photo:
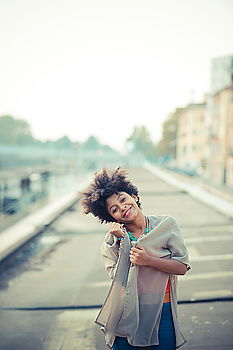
x=138 y=226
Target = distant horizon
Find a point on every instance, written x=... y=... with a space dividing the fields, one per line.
x=86 y=68
x=55 y=139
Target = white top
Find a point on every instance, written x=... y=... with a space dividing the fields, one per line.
x=134 y=303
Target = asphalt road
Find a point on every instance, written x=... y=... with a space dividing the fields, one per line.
x=42 y=286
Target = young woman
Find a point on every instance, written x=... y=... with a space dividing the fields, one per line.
x=143 y=256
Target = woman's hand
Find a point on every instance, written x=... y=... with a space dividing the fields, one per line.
x=115 y=229
x=138 y=256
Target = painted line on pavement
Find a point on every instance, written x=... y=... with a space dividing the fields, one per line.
x=212 y=257
x=206 y=275
x=100 y=284
x=188 y=277
x=193 y=252
x=213 y=293
x=221 y=205
x=208 y=239
x=226 y=228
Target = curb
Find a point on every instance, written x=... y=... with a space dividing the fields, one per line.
x=223 y=206
x=21 y=232
x=18 y=234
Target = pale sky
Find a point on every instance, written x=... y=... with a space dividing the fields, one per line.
x=100 y=67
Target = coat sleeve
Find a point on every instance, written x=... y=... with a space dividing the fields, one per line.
x=177 y=246
x=109 y=254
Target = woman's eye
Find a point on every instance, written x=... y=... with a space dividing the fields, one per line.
x=114 y=210
x=122 y=199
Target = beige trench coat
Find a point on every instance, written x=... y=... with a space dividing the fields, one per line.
x=133 y=305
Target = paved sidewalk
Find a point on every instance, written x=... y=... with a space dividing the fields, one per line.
x=21 y=232
x=206 y=326
x=219 y=200
x=60 y=273
x=18 y=234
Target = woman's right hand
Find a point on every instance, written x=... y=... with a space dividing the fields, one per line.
x=116 y=229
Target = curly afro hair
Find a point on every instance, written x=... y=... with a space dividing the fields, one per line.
x=105 y=184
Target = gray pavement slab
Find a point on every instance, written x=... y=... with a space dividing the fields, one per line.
x=28 y=227
x=222 y=201
x=63 y=268
x=55 y=278
x=51 y=330
x=21 y=330
x=205 y=326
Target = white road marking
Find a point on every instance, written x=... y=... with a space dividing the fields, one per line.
x=193 y=252
x=100 y=284
x=218 y=238
x=213 y=293
x=206 y=275
x=212 y=257
x=223 y=206
x=216 y=228
x=71 y=330
x=186 y=278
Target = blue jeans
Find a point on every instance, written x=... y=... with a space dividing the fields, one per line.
x=167 y=339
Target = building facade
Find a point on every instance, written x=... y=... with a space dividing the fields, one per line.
x=203 y=143
x=192 y=138
x=221 y=75
x=220 y=159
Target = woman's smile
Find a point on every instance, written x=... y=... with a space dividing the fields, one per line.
x=120 y=206
x=127 y=212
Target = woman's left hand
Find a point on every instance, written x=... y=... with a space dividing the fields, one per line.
x=138 y=256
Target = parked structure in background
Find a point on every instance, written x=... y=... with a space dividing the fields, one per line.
x=204 y=138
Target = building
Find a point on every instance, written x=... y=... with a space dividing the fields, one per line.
x=220 y=159
x=220 y=122
x=204 y=140
x=221 y=74
x=192 y=138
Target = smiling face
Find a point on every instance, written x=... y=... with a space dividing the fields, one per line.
x=122 y=207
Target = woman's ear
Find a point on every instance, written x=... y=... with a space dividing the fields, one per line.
x=135 y=198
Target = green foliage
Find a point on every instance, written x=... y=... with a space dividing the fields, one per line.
x=14 y=131
x=18 y=132
x=167 y=145
x=63 y=142
x=92 y=143
x=140 y=141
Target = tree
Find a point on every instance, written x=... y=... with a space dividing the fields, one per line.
x=140 y=141
x=167 y=145
x=14 y=131
x=92 y=143
x=63 y=142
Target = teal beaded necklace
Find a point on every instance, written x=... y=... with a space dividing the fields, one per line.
x=134 y=239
